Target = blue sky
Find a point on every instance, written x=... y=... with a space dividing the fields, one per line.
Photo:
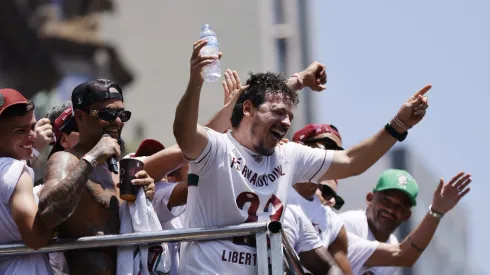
x=378 y=53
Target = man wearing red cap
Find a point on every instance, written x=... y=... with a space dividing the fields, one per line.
x=19 y=213
x=328 y=225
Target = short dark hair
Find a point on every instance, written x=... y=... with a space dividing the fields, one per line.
x=17 y=110
x=57 y=110
x=261 y=84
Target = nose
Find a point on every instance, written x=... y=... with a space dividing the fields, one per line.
x=331 y=202
x=32 y=135
x=286 y=122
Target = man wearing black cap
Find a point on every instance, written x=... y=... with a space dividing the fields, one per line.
x=84 y=177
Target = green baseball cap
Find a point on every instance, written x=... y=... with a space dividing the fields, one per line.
x=395 y=179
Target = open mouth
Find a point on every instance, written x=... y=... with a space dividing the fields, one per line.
x=277 y=135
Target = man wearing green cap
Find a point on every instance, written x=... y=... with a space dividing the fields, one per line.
x=373 y=249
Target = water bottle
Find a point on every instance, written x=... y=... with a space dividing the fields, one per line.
x=211 y=72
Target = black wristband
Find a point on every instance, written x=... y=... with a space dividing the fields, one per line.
x=395 y=134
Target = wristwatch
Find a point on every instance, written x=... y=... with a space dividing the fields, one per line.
x=434 y=214
x=394 y=133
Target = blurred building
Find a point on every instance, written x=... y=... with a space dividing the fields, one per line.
x=447 y=253
x=156 y=40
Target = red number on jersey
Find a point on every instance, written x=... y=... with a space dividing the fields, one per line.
x=254 y=201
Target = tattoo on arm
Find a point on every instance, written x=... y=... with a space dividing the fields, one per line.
x=64 y=182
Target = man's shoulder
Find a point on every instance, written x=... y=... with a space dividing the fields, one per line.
x=67 y=156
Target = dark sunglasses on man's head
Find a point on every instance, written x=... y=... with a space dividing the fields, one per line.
x=328 y=193
x=327 y=142
x=110 y=115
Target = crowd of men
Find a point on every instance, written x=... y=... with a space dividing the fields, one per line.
x=237 y=168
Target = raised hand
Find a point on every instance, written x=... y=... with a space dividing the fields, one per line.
x=199 y=61
x=44 y=134
x=314 y=77
x=232 y=86
x=413 y=110
x=446 y=196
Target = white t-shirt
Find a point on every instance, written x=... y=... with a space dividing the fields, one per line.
x=326 y=222
x=299 y=231
x=356 y=223
x=229 y=185
x=10 y=172
x=169 y=219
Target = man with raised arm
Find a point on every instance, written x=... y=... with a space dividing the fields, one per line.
x=245 y=176
x=373 y=249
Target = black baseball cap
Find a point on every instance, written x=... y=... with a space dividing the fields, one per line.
x=93 y=91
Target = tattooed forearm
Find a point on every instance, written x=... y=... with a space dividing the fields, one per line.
x=61 y=194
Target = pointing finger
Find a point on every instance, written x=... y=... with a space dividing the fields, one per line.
x=422 y=91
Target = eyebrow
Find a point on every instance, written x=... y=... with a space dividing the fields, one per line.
x=283 y=109
x=25 y=126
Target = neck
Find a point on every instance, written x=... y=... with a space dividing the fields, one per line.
x=243 y=137
x=379 y=235
x=307 y=194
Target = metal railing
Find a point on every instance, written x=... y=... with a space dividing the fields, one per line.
x=260 y=229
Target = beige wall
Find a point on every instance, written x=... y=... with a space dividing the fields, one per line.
x=156 y=41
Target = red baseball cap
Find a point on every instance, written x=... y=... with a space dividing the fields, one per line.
x=312 y=130
x=10 y=97
x=148 y=147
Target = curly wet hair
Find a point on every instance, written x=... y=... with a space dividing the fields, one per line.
x=262 y=84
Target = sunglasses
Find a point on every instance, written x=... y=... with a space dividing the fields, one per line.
x=327 y=142
x=110 y=115
x=328 y=193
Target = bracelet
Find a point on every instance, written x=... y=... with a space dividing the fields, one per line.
x=395 y=134
x=91 y=160
x=435 y=214
x=414 y=246
x=300 y=81
x=399 y=122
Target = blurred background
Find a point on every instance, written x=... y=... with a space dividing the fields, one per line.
x=378 y=53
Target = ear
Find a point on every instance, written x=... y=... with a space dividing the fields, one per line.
x=63 y=141
x=369 y=198
x=248 y=108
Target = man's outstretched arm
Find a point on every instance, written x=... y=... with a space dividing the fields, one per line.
x=446 y=196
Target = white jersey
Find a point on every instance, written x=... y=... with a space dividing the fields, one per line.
x=10 y=172
x=169 y=218
x=356 y=223
x=326 y=222
x=299 y=231
x=358 y=252
x=229 y=185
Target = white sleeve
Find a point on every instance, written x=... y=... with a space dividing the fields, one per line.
x=359 y=250
x=213 y=152
x=309 y=163
x=10 y=172
x=160 y=200
x=335 y=223
x=299 y=230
